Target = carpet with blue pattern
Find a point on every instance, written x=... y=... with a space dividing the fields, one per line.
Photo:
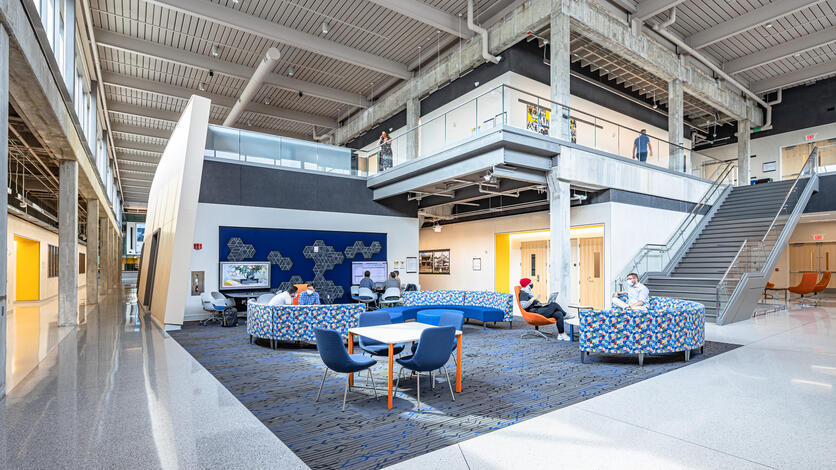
x=506 y=380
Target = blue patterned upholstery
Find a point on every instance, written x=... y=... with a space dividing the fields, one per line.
x=479 y=305
x=297 y=322
x=669 y=325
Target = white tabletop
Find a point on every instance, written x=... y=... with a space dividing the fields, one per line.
x=394 y=333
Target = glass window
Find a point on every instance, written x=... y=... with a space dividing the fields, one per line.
x=225 y=143
x=260 y=148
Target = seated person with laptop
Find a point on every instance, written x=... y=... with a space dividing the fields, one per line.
x=367 y=281
x=638 y=295
x=549 y=310
x=285 y=297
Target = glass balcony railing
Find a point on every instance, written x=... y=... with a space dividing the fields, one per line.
x=506 y=105
x=265 y=149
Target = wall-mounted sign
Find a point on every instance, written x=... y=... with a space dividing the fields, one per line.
x=810 y=137
x=198 y=246
x=818 y=237
x=770 y=166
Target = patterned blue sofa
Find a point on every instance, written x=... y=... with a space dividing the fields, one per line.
x=669 y=325
x=297 y=322
x=484 y=306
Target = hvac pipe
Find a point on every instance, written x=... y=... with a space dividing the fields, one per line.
x=482 y=32
x=261 y=72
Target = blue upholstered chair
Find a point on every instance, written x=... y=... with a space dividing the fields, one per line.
x=374 y=347
x=432 y=354
x=449 y=319
x=331 y=349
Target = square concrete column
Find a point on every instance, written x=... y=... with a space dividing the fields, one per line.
x=68 y=243
x=103 y=223
x=4 y=176
x=92 y=268
x=560 y=255
x=413 y=115
x=559 y=71
x=675 y=126
x=744 y=131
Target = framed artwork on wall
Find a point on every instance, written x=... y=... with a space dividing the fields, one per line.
x=434 y=262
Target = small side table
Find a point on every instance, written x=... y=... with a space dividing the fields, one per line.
x=576 y=321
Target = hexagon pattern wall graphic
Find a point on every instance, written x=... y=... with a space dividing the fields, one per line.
x=238 y=250
x=286 y=284
x=360 y=248
x=283 y=262
x=325 y=258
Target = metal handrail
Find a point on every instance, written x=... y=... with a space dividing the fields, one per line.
x=813 y=154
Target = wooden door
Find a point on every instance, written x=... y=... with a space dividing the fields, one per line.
x=802 y=259
x=535 y=266
x=592 y=272
x=792 y=159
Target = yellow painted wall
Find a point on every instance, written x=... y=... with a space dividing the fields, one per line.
x=27 y=269
x=503 y=252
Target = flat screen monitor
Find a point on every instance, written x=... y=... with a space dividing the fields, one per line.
x=379 y=270
x=245 y=275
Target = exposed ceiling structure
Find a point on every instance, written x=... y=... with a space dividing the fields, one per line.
x=338 y=57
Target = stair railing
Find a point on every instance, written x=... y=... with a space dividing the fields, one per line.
x=755 y=255
x=654 y=257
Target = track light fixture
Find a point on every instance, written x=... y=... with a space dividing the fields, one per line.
x=436 y=227
x=215 y=51
x=290 y=72
x=324 y=28
x=201 y=86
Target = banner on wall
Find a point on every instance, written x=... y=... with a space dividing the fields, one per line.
x=537 y=119
x=134 y=235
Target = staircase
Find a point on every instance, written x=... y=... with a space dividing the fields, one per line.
x=745 y=214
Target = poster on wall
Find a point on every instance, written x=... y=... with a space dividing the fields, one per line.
x=411 y=264
x=434 y=262
x=426 y=262
x=573 y=130
x=537 y=119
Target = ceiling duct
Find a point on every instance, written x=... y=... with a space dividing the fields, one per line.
x=261 y=72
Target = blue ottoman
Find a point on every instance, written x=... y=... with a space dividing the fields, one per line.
x=431 y=316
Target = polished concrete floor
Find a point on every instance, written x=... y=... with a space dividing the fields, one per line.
x=117 y=392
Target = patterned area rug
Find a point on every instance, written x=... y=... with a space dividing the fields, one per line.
x=506 y=380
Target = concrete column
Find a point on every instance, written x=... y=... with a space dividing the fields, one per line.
x=560 y=257
x=559 y=46
x=103 y=269
x=744 y=131
x=413 y=114
x=4 y=176
x=675 y=125
x=92 y=252
x=68 y=243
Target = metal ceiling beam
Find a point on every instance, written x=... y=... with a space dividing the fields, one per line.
x=141 y=111
x=181 y=57
x=795 y=78
x=250 y=24
x=650 y=8
x=139 y=146
x=426 y=14
x=747 y=21
x=159 y=88
x=628 y=5
x=140 y=131
x=795 y=46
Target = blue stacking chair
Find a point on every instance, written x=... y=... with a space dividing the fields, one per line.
x=371 y=346
x=449 y=319
x=432 y=353
x=331 y=349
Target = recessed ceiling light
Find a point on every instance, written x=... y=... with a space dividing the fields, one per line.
x=215 y=51
x=290 y=72
x=201 y=86
x=324 y=28
x=266 y=100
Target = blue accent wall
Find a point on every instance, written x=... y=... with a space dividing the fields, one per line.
x=294 y=259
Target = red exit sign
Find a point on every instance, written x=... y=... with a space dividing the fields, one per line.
x=198 y=246
x=810 y=137
x=818 y=237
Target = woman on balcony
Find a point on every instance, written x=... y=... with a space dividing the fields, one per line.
x=384 y=158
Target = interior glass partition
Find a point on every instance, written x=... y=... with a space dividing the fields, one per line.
x=264 y=149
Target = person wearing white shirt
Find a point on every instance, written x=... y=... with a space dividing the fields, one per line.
x=638 y=295
x=284 y=298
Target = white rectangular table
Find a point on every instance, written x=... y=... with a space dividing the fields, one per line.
x=401 y=333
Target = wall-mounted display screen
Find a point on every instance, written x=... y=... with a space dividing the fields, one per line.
x=379 y=270
x=245 y=275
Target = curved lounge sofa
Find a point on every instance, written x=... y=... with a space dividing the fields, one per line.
x=669 y=326
x=484 y=306
x=297 y=322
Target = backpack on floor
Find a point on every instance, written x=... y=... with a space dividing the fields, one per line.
x=230 y=317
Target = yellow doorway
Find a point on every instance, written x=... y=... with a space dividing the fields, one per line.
x=27 y=269
x=534 y=257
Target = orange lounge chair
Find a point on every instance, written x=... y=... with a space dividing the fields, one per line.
x=822 y=284
x=301 y=288
x=532 y=318
x=806 y=286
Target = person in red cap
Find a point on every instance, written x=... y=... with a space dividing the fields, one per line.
x=550 y=310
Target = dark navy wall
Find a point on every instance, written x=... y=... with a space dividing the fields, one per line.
x=293 y=260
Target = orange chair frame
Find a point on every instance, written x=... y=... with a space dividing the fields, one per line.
x=806 y=286
x=532 y=318
x=822 y=284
